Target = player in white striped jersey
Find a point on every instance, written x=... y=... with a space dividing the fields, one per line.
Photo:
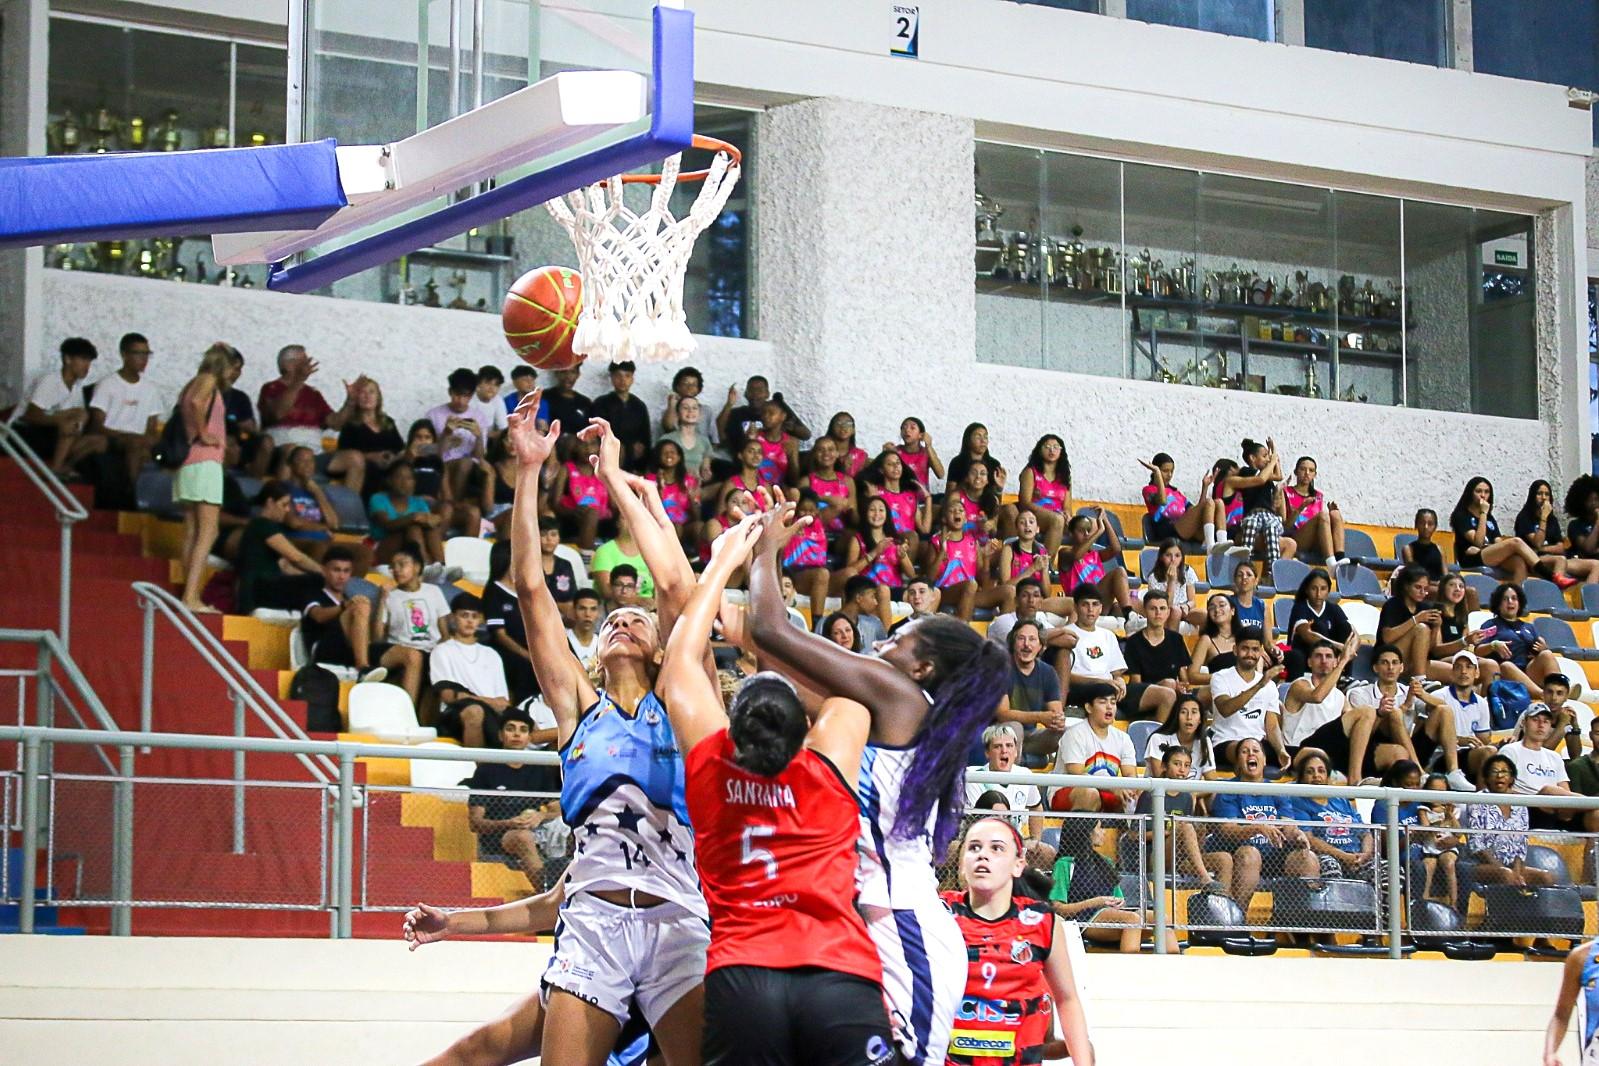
x=932 y=687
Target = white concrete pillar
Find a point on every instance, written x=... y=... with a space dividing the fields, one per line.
x=24 y=65
x=865 y=243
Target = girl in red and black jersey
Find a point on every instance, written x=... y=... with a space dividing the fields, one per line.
x=1018 y=971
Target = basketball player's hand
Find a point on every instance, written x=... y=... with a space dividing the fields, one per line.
x=650 y=495
x=609 y=458
x=530 y=446
x=738 y=541
x=779 y=529
x=425 y=925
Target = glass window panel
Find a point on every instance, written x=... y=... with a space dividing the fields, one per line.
x=1238 y=18
x=1266 y=251
x=1091 y=6
x=1079 y=233
x=261 y=111
x=1159 y=272
x=1009 y=311
x=1540 y=40
x=1415 y=31
x=1370 y=343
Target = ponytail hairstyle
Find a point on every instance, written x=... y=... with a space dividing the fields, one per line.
x=766 y=723
x=968 y=679
x=1249 y=448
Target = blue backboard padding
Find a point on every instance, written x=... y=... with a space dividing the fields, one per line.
x=50 y=199
x=671 y=131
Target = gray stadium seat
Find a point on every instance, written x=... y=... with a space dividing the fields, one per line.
x=1557 y=633
x=1542 y=595
x=1359 y=546
x=1483 y=585
x=1286 y=574
x=351 y=511
x=1139 y=733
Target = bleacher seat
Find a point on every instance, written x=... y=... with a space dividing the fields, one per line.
x=1356 y=580
x=1478 y=619
x=1281 y=608
x=441 y=773
x=1589 y=608
x=1115 y=522
x=1361 y=669
x=1557 y=633
x=1146 y=560
x=1543 y=596
x=1139 y=733
x=1363 y=616
x=1287 y=574
x=351 y=512
x=1400 y=540
x=153 y=493
x=386 y=711
x=471 y=554
x=1483 y=585
x=1221 y=563
x=1359 y=547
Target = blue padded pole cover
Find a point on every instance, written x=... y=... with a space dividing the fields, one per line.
x=51 y=199
x=671 y=131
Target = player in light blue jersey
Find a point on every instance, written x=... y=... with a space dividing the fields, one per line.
x=1579 y=989
x=633 y=929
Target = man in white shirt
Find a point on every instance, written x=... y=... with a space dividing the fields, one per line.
x=1410 y=716
x=1244 y=698
x=1473 y=721
x=1540 y=771
x=468 y=678
x=1029 y=600
x=1097 y=657
x=1316 y=715
x=52 y=419
x=1095 y=746
x=126 y=408
x=583 y=637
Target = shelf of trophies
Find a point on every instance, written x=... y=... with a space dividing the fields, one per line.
x=473 y=266
x=168 y=258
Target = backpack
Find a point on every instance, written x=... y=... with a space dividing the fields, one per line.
x=173 y=448
x=319 y=688
x=1506 y=701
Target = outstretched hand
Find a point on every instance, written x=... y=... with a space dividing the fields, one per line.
x=735 y=544
x=779 y=529
x=609 y=458
x=425 y=925
x=530 y=446
x=650 y=495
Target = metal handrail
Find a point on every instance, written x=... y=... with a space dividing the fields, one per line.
x=68 y=508
x=246 y=691
x=53 y=652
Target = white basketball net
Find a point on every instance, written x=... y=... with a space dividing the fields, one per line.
x=633 y=264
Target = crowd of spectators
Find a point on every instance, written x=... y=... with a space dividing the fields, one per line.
x=898 y=533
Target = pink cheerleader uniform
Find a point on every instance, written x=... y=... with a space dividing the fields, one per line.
x=1087 y=569
x=808 y=549
x=901 y=510
x=585 y=490
x=737 y=482
x=1235 y=509
x=675 y=497
x=975 y=517
x=916 y=462
x=1312 y=503
x=853 y=462
x=1175 y=507
x=833 y=496
x=960 y=560
x=886 y=570
x=774 y=460
x=1022 y=561
x=1049 y=495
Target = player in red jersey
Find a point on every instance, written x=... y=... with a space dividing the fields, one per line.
x=792 y=976
x=1018 y=973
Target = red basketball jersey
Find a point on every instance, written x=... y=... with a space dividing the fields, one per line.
x=777 y=863
x=1007 y=1006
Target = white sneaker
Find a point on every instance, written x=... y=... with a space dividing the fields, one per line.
x=1459 y=781
x=432 y=572
x=374 y=675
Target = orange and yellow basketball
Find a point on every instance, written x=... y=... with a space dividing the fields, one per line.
x=540 y=316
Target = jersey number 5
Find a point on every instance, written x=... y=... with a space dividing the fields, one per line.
x=753 y=854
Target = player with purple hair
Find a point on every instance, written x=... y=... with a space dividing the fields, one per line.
x=931 y=687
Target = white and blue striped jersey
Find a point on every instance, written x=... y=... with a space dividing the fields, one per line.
x=892 y=872
x=1588 y=1009
x=622 y=794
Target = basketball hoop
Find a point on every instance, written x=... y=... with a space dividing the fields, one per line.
x=633 y=263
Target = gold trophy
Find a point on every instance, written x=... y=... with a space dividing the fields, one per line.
x=135 y=138
x=64 y=135
x=103 y=124
x=167 y=137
